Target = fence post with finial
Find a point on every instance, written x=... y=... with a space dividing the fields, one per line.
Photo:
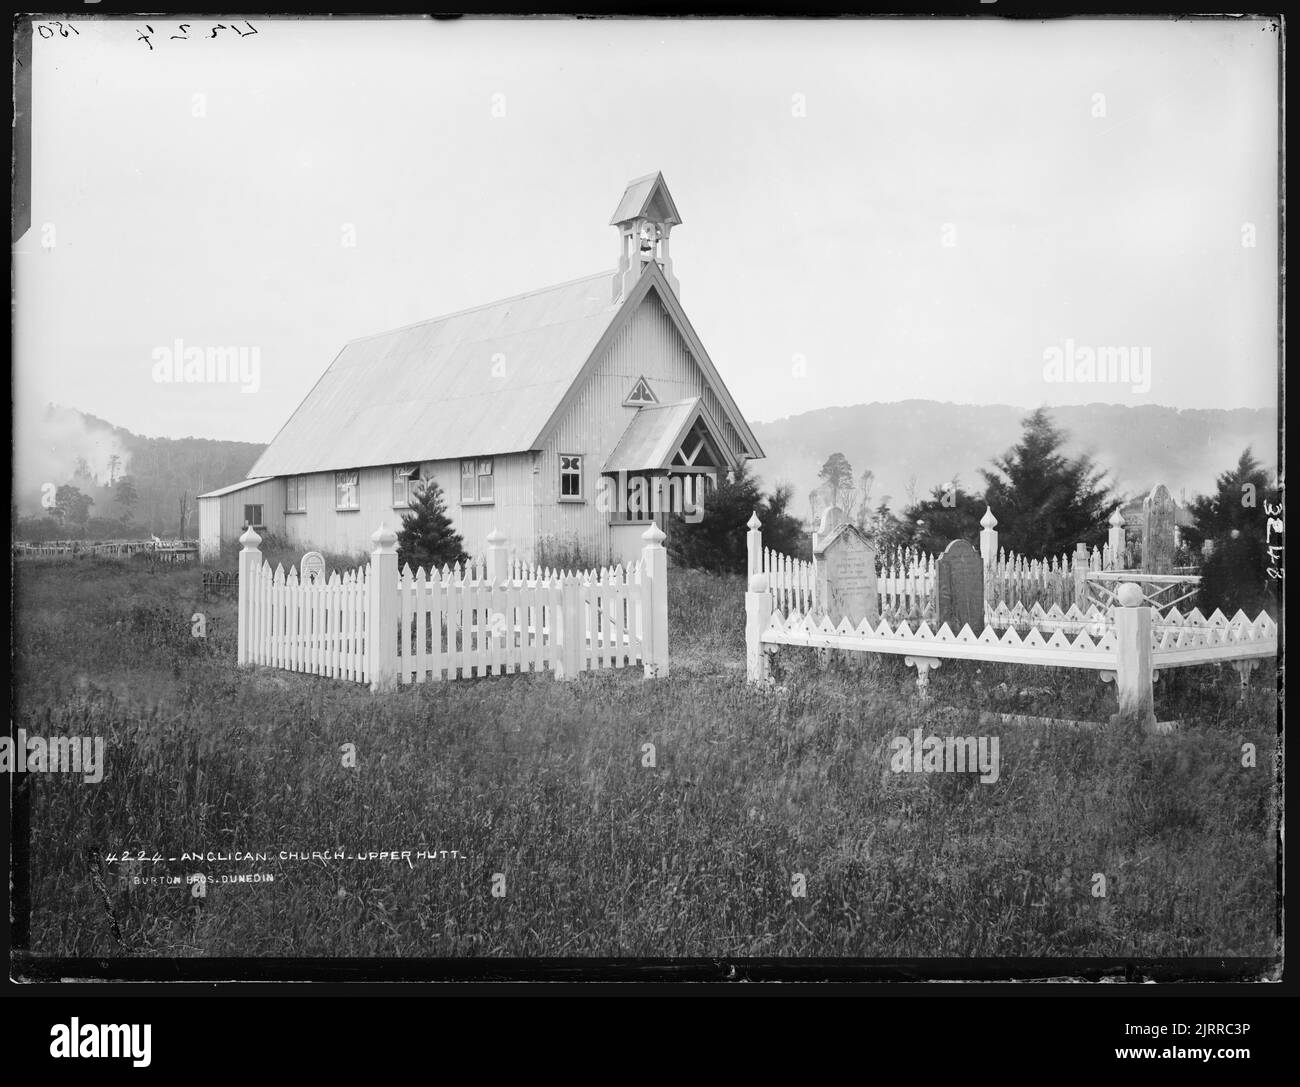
x=758 y=613
x=498 y=557
x=1115 y=540
x=988 y=538
x=654 y=577
x=250 y=563
x=1133 y=673
x=382 y=605
x=1081 y=576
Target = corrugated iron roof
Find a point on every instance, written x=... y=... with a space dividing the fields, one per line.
x=637 y=198
x=652 y=437
x=481 y=381
x=252 y=482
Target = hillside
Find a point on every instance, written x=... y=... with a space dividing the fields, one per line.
x=916 y=444
x=925 y=443
x=65 y=446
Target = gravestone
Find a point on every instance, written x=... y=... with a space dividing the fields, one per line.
x=1158 y=532
x=959 y=587
x=845 y=564
x=829 y=520
x=311 y=567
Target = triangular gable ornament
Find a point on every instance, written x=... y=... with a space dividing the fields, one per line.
x=641 y=393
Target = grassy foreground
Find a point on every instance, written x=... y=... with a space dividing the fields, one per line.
x=541 y=788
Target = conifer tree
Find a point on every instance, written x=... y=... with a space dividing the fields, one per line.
x=948 y=514
x=717 y=541
x=427 y=538
x=1235 y=520
x=1046 y=502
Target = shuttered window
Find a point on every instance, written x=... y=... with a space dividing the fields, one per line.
x=406 y=479
x=347 y=490
x=476 y=481
x=295 y=494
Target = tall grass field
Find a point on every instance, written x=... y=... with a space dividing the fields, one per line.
x=759 y=822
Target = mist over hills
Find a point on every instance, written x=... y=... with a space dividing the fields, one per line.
x=923 y=444
x=60 y=445
x=912 y=444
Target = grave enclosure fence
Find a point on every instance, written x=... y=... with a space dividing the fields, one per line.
x=497 y=616
x=1080 y=612
x=1015 y=588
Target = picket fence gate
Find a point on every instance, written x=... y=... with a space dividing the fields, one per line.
x=493 y=617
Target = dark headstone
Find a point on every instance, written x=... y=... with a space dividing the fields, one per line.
x=1158 y=532
x=959 y=585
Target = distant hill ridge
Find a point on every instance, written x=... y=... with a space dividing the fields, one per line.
x=934 y=442
x=60 y=445
x=928 y=441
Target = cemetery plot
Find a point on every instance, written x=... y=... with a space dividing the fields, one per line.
x=1128 y=639
x=908 y=586
x=1131 y=652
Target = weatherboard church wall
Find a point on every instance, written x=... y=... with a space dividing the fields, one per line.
x=222 y=517
x=326 y=528
x=527 y=506
x=648 y=346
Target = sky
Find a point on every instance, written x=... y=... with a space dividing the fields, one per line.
x=872 y=210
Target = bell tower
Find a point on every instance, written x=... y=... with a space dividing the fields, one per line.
x=645 y=217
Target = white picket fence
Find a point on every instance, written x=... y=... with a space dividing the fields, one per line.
x=906 y=584
x=905 y=581
x=317 y=627
x=793 y=581
x=472 y=626
x=1128 y=645
x=493 y=617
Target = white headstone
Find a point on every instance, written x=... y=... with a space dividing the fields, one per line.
x=845 y=564
x=831 y=519
x=311 y=567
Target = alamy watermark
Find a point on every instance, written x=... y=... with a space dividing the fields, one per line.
x=113 y=1040
x=641 y=496
x=179 y=364
x=1078 y=364
x=57 y=755
x=918 y=754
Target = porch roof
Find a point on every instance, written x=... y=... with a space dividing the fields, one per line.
x=656 y=433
